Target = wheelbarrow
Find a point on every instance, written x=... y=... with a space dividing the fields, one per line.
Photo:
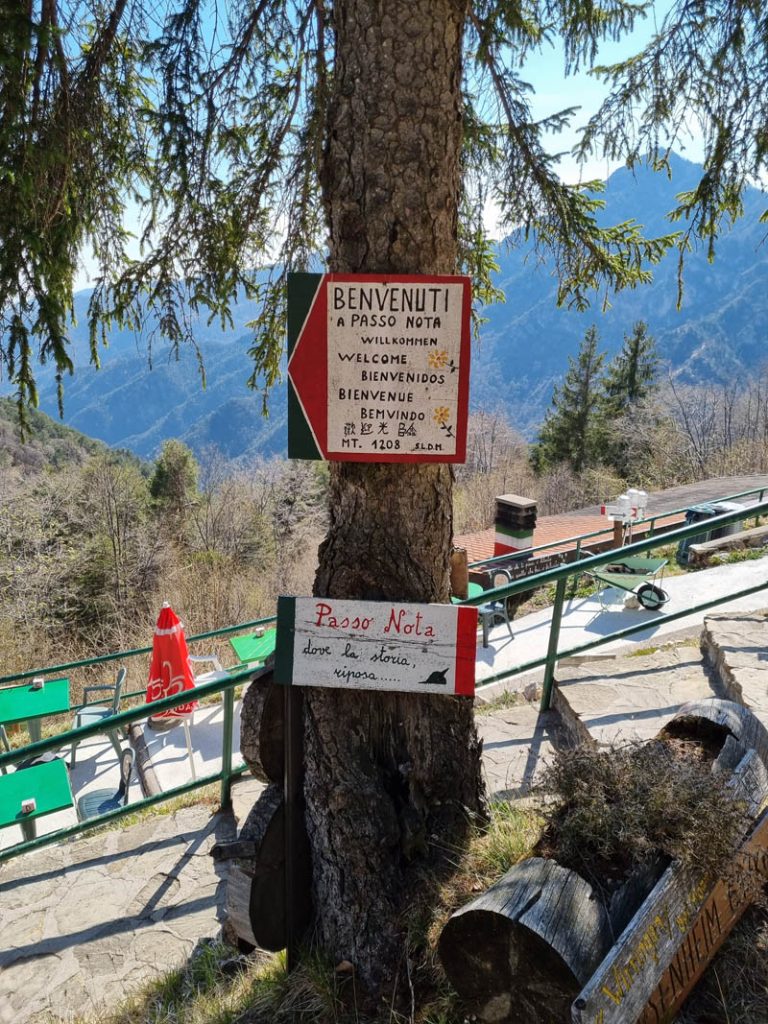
x=639 y=576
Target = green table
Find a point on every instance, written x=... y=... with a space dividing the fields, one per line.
x=251 y=648
x=47 y=783
x=23 y=704
x=473 y=590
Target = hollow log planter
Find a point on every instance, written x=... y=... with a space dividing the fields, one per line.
x=262 y=729
x=661 y=954
x=716 y=718
x=256 y=883
x=522 y=950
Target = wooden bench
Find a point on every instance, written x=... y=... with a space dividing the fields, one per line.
x=757 y=537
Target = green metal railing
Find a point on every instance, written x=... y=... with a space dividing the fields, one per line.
x=67 y=665
x=560 y=574
x=557 y=576
x=120 y=721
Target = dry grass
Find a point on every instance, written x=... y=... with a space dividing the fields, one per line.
x=218 y=987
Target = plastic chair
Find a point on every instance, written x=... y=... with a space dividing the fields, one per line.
x=101 y=801
x=492 y=610
x=99 y=712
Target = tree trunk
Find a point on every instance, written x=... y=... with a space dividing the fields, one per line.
x=391 y=780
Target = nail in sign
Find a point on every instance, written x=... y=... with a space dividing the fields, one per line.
x=376 y=645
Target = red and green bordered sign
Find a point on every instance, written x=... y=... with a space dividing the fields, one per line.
x=376 y=645
x=378 y=367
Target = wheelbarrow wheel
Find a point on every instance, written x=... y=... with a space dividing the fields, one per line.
x=651 y=597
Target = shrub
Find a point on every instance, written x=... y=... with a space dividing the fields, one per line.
x=615 y=812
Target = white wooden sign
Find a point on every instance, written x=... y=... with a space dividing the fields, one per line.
x=376 y=645
x=378 y=367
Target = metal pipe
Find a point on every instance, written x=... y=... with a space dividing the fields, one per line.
x=101 y=659
x=110 y=816
x=554 y=637
x=570 y=652
x=115 y=722
x=227 y=744
x=595 y=561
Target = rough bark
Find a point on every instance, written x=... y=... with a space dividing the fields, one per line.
x=390 y=779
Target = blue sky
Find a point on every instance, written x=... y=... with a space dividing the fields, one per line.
x=553 y=92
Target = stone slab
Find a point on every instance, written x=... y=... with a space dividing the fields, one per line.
x=630 y=699
x=735 y=646
x=517 y=745
x=96 y=916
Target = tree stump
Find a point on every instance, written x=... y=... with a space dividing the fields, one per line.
x=523 y=950
x=262 y=729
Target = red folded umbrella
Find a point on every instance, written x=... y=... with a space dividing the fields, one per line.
x=170 y=671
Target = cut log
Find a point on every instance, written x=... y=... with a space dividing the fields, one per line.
x=522 y=950
x=235 y=850
x=256 y=886
x=755 y=538
x=724 y=717
x=459 y=573
x=262 y=729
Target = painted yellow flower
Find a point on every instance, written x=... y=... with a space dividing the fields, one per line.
x=437 y=360
x=441 y=415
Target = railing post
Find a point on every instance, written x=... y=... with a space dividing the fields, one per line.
x=576 y=576
x=759 y=501
x=226 y=752
x=554 y=637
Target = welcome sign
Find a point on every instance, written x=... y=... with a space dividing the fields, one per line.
x=378 y=367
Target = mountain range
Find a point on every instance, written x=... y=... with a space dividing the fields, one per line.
x=719 y=333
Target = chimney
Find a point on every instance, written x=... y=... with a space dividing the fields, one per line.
x=515 y=522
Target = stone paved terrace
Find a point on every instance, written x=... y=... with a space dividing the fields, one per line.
x=621 y=699
x=87 y=921
x=585 y=619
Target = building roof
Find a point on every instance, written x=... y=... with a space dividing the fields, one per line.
x=548 y=529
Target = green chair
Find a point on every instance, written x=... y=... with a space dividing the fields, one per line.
x=100 y=712
x=101 y=801
x=489 y=612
